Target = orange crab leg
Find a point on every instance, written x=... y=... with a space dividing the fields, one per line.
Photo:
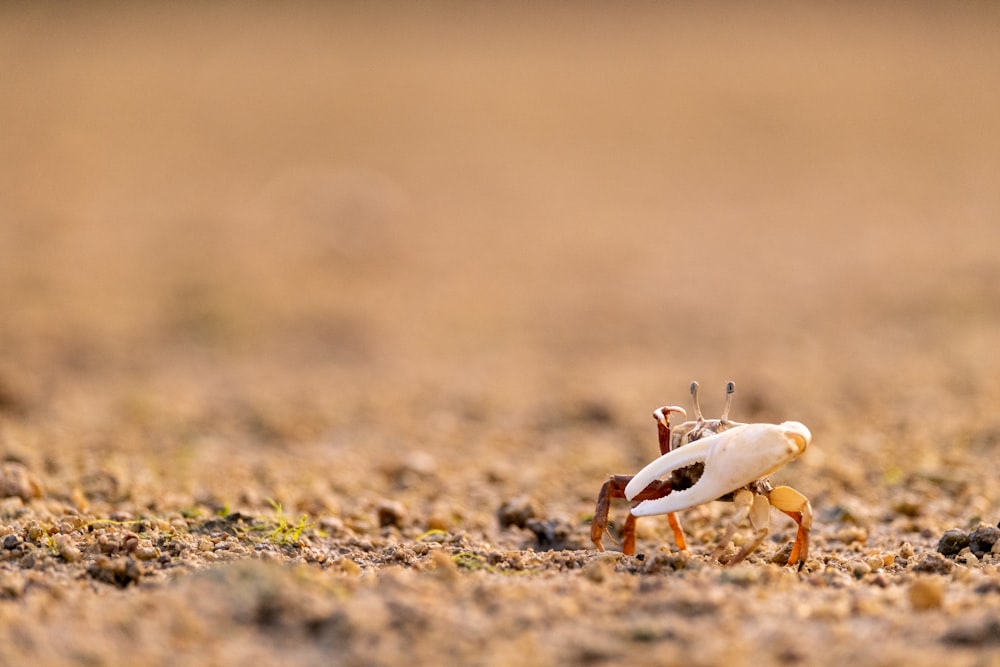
x=615 y=488
x=797 y=506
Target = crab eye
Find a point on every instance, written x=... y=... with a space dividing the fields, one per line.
x=697 y=405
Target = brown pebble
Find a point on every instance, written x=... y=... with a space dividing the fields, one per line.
x=979 y=632
x=926 y=593
x=147 y=552
x=349 y=566
x=852 y=534
x=983 y=539
x=69 y=552
x=934 y=563
x=12 y=584
x=860 y=568
x=390 y=513
x=444 y=566
x=597 y=570
x=17 y=481
x=516 y=512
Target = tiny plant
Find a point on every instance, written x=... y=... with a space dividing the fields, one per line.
x=285 y=532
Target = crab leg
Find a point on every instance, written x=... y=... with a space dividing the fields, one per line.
x=675 y=525
x=797 y=506
x=733 y=459
x=615 y=488
x=755 y=508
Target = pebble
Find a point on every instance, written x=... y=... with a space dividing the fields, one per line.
x=860 y=568
x=119 y=571
x=443 y=565
x=967 y=557
x=926 y=593
x=349 y=566
x=934 y=563
x=17 y=481
x=516 y=512
x=975 y=633
x=390 y=513
x=69 y=551
x=852 y=534
x=597 y=570
x=11 y=542
x=983 y=539
x=12 y=584
x=35 y=531
x=952 y=542
x=146 y=552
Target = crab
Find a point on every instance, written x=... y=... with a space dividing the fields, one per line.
x=713 y=459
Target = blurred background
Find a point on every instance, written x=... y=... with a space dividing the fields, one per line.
x=455 y=232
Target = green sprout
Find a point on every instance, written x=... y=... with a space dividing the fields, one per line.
x=285 y=532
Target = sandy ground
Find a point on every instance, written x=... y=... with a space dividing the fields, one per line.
x=293 y=300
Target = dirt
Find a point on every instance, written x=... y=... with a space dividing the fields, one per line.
x=322 y=327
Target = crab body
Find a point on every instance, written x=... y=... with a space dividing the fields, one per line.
x=736 y=457
x=705 y=460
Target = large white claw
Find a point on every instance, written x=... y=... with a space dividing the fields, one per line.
x=733 y=459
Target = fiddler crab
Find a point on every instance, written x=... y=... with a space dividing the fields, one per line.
x=713 y=459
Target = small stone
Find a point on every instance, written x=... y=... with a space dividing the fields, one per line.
x=516 y=512
x=16 y=480
x=967 y=557
x=444 y=566
x=926 y=593
x=952 y=542
x=983 y=539
x=11 y=542
x=349 y=566
x=390 y=513
x=12 y=584
x=553 y=535
x=906 y=550
x=438 y=522
x=852 y=534
x=934 y=563
x=205 y=544
x=597 y=570
x=860 y=568
x=975 y=633
x=36 y=531
x=147 y=552
x=69 y=552
x=118 y=571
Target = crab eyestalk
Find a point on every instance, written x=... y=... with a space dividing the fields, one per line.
x=730 y=390
x=697 y=406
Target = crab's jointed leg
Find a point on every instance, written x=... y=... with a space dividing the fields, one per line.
x=675 y=526
x=797 y=506
x=750 y=506
x=615 y=488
